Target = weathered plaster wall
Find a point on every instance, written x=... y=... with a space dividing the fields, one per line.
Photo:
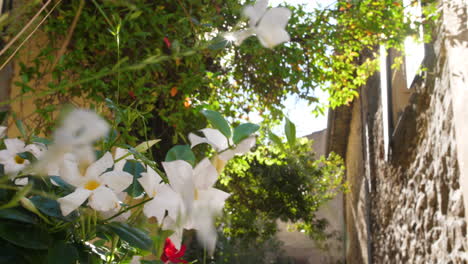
x=417 y=206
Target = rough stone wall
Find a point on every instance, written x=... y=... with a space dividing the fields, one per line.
x=417 y=204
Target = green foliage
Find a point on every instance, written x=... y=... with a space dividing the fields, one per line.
x=274 y=183
x=218 y=122
x=243 y=131
x=234 y=250
x=163 y=61
x=181 y=152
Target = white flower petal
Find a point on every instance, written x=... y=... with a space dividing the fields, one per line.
x=205 y=174
x=215 y=138
x=255 y=12
x=21 y=181
x=180 y=175
x=176 y=237
x=195 y=140
x=70 y=173
x=243 y=147
x=149 y=181
x=119 y=153
x=206 y=231
x=117 y=180
x=103 y=199
x=14 y=145
x=212 y=199
x=80 y=127
x=72 y=201
x=35 y=149
x=100 y=166
x=239 y=36
x=271 y=28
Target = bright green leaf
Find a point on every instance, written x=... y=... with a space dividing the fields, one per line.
x=218 y=122
x=290 y=131
x=243 y=131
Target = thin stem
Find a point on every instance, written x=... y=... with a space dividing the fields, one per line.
x=127 y=209
x=30 y=35
x=24 y=28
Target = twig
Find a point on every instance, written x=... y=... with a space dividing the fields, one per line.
x=29 y=36
x=62 y=50
x=24 y=28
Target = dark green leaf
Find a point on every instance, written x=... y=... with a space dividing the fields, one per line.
x=181 y=152
x=221 y=43
x=23 y=235
x=134 y=168
x=40 y=140
x=27 y=156
x=134 y=236
x=50 y=207
x=290 y=131
x=62 y=253
x=63 y=184
x=243 y=131
x=218 y=122
x=17 y=214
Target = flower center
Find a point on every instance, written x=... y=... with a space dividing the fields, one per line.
x=91 y=185
x=195 y=194
x=83 y=167
x=19 y=160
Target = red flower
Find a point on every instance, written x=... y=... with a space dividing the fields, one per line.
x=171 y=254
x=168 y=43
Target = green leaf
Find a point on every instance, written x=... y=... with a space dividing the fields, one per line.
x=221 y=43
x=44 y=141
x=20 y=126
x=51 y=208
x=134 y=168
x=243 y=131
x=134 y=236
x=290 y=131
x=144 y=146
x=218 y=122
x=27 y=156
x=275 y=138
x=63 y=184
x=26 y=236
x=181 y=152
x=62 y=253
x=17 y=214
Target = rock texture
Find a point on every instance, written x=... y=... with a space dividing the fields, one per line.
x=418 y=214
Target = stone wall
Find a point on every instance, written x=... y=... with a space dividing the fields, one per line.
x=408 y=207
x=417 y=204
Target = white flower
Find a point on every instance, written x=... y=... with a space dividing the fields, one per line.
x=93 y=183
x=12 y=162
x=164 y=197
x=213 y=137
x=79 y=130
x=203 y=202
x=267 y=24
x=220 y=143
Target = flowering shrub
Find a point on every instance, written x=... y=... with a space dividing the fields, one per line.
x=81 y=198
x=90 y=205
